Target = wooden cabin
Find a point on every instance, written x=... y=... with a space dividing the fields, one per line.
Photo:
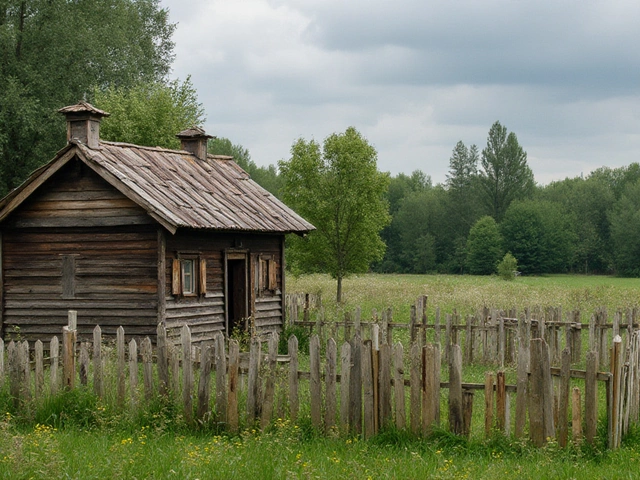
x=133 y=236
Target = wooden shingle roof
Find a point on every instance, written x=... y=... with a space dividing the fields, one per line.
x=176 y=188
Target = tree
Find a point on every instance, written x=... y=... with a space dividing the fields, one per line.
x=505 y=175
x=266 y=177
x=339 y=189
x=539 y=235
x=149 y=113
x=625 y=231
x=54 y=53
x=484 y=247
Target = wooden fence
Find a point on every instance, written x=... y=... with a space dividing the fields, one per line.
x=358 y=389
x=488 y=337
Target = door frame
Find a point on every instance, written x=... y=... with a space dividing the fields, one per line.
x=236 y=254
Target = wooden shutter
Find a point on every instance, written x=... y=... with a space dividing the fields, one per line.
x=273 y=282
x=203 y=277
x=175 y=277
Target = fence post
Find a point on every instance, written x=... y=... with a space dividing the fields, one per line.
x=120 y=368
x=293 y=378
x=234 y=364
x=455 y=390
x=204 y=383
x=398 y=383
x=488 y=403
x=616 y=406
x=54 y=354
x=591 y=397
x=163 y=359
x=576 y=416
x=522 y=384
x=133 y=371
x=39 y=357
x=69 y=351
x=147 y=367
x=501 y=402
x=355 y=386
x=98 y=382
x=221 y=378
x=187 y=373
x=384 y=386
x=367 y=383
x=416 y=387
x=84 y=363
x=253 y=388
x=565 y=378
x=330 y=380
x=345 y=385
x=430 y=387
x=270 y=387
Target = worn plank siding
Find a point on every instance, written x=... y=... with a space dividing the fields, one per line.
x=211 y=248
x=114 y=280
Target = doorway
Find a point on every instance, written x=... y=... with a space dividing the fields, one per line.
x=237 y=300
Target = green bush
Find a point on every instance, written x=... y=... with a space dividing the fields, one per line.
x=301 y=333
x=507 y=268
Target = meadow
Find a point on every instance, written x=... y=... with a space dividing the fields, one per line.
x=76 y=436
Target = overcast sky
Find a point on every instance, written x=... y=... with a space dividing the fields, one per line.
x=415 y=77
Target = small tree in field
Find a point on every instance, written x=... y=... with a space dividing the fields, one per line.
x=507 y=267
x=484 y=247
x=339 y=189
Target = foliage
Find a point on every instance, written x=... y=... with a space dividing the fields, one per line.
x=266 y=177
x=339 y=189
x=302 y=334
x=507 y=267
x=505 y=175
x=538 y=234
x=484 y=247
x=54 y=53
x=625 y=231
x=149 y=114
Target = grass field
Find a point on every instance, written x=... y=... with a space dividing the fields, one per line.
x=97 y=441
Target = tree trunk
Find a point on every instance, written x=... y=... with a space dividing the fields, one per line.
x=339 y=290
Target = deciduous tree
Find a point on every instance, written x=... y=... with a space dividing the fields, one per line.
x=338 y=188
x=484 y=247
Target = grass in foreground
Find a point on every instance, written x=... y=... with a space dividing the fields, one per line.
x=291 y=452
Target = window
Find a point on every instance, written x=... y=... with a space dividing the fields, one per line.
x=189 y=276
x=267 y=276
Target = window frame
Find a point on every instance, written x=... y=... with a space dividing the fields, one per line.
x=197 y=276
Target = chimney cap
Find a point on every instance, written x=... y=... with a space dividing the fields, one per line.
x=193 y=132
x=83 y=107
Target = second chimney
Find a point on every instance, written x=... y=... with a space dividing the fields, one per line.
x=194 y=140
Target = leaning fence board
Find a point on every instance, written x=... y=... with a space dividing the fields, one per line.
x=398 y=383
x=384 y=385
x=488 y=403
x=120 y=366
x=430 y=387
x=455 y=390
x=330 y=382
x=39 y=369
x=576 y=416
x=501 y=402
x=253 y=388
x=163 y=359
x=293 y=378
x=147 y=367
x=355 y=385
x=367 y=384
x=204 y=383
x=269 y=391
x=133 y=371
x=187 y=373
x=591 y=397
x=68 y=357
x=98 y=379
x=54 y=353
x=234 y=364
x=563 y=426
x=83 y=360
x=221 y=378
x=345 y=382
x=416 y=388
x=315 y=388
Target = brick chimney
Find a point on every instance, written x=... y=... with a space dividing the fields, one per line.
x=194 y=140
x=83 y=123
